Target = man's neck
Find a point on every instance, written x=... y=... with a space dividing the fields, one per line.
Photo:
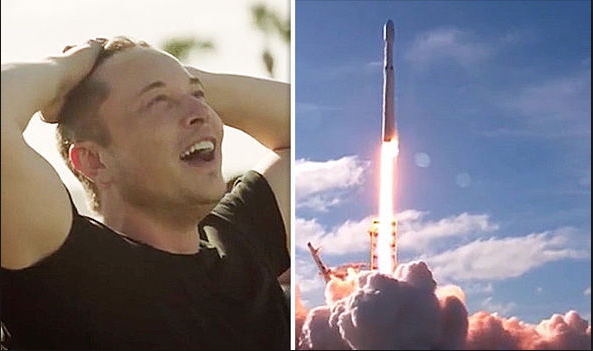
x=170 y=230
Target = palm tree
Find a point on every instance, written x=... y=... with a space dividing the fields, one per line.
x=270 y=23
x=182 y=47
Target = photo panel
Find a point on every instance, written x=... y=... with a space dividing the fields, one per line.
x=442 y=175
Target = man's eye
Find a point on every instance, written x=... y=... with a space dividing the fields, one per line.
x=157 y=100
x=198 y=93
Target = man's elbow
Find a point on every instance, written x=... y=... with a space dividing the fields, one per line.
x=282 y=150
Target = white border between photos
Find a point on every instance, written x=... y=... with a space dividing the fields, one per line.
x=292 y=177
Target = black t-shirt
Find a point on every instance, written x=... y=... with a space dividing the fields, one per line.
x=103 y=291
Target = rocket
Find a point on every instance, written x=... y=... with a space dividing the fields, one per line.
x=388 y=85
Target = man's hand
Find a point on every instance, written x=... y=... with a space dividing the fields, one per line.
x=36 y=211
x=260 y=108
x=72 y=66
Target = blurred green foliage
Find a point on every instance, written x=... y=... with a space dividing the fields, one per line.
x=182 y=47
x=269 y=23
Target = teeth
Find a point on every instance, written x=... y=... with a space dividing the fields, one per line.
x=204 y=145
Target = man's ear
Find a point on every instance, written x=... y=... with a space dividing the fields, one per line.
x=86 y=159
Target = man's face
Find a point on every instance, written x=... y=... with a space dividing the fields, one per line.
x=165 y=148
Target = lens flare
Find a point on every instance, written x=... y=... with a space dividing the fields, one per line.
x=389 y=152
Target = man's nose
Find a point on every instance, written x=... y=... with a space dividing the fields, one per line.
x=198 y=112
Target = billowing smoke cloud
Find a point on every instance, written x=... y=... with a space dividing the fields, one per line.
x=319 y=334
x=568 y=332
x=300 y=314
x=369 y=310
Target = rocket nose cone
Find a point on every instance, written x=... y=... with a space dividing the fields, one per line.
x=388 y=31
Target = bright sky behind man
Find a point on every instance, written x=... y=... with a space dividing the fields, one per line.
x=32 y=30
x=493 y=181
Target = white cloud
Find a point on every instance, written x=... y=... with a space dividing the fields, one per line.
x=320 y=203
x=556 y=98
x=307 y=230
x=500 y=308
x=416 y=234
x=482 y=259
x=587 y=292
x=409 y=216
x=554 y=107
x=307 y=275
x=447 y=43
x=478 y=288
x=494 y=258
x=462 y=47
x=349 y=237
x=319 y=185
x=314 y=177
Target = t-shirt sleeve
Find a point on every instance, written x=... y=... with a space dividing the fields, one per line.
x=251 y=209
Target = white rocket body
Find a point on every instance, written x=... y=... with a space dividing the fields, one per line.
x=388 y=83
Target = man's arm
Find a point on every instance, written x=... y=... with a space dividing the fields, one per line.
x=260 y=108
x=36 y=210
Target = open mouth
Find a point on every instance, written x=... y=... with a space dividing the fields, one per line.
x=202 y=151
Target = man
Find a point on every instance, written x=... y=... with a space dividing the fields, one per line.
x=172 y=265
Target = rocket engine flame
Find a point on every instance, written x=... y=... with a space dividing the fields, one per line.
x=385 y=250
x=389 y=152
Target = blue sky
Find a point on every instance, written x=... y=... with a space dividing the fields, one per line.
x=493 y=184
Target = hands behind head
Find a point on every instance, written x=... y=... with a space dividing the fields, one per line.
x=73 y=65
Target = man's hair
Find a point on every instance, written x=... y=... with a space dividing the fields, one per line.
x=78 y=118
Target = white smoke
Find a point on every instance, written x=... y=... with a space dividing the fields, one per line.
x=369 y=310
